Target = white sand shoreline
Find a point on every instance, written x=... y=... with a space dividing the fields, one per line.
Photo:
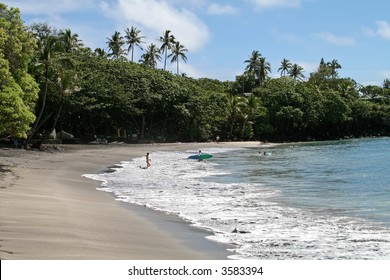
x=49 y=211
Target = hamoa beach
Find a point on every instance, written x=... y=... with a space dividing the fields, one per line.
x=48 y=210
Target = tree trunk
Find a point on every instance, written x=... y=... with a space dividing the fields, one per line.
x=37 y=121
x=55 y=122
x=142 y=136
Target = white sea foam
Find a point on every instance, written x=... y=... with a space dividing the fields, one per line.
x=246 y=214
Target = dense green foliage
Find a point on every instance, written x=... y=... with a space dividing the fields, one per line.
x=305 y=110
x=94 y=94
x=18 y=90
x=148 y=102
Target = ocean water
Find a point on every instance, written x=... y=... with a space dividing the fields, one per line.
x=320 y=200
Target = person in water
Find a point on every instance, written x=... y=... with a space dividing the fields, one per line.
x=199 y=158
x=148 y=160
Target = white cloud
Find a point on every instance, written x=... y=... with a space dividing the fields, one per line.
x=383 y=29
x=190 y=70
x=335 y=39
x=308 y=67
x=156 y=16
x=265 y=4
x=50 y=7
x=55 y=12
x=190 y=3
x=216 y=9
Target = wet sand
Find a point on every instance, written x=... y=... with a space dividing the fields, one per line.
x=49 y=211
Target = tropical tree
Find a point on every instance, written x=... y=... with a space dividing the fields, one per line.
x=296 y=72
x=115 y=44
x=284 y=67
x=288 y=120
x=371 y=91
x=335 y=108
x=321 y=75
x=244 y=83
x=178 y=51
x=348 y=89
x=69 y=41
x=333 y=66
x=234 y=106
x=65 y=83
x=386 y=84
x=100 y=52
x=168 y=40
x=259 y=66
x=18 y=89
x=264 y=69
x=252 y=108
x=253 y=62
x=133 y=39
x=151 y=56
x=48 y=44
x=280 y=98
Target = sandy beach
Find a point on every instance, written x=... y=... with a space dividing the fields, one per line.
x=49 y=211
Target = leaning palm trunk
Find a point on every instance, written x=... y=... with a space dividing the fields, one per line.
x=38 y=120
x=49 y=132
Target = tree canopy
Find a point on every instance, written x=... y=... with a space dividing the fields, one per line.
x=18 y=90
x=96 y=93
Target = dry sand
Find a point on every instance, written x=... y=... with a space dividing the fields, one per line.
x=49 y=211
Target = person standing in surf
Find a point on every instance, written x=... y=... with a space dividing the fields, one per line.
x=199 y=158
x=148 y=160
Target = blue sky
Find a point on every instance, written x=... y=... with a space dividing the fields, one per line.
x=221 y=34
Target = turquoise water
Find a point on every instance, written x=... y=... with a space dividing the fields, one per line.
x=320 y=200
x=350 y=177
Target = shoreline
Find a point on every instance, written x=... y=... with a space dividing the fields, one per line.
x=49 y=211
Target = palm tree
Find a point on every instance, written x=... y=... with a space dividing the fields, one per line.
x=348 y=90
x=65 y=84
x=178 y=51
x=264 y=69
x=324 y=72
x=100 y=52
x=333 y=66
x=251 y=109
x=296 y=72
x=386 y=83
x=234 y=105
x=47 y=45
x=151 y=56
x=115 y=44
x=167 y=43
x=49 y=60
x=284 y=67
x=69 y=41
x=133 y=39
x=253 y=61
x=259 y=66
